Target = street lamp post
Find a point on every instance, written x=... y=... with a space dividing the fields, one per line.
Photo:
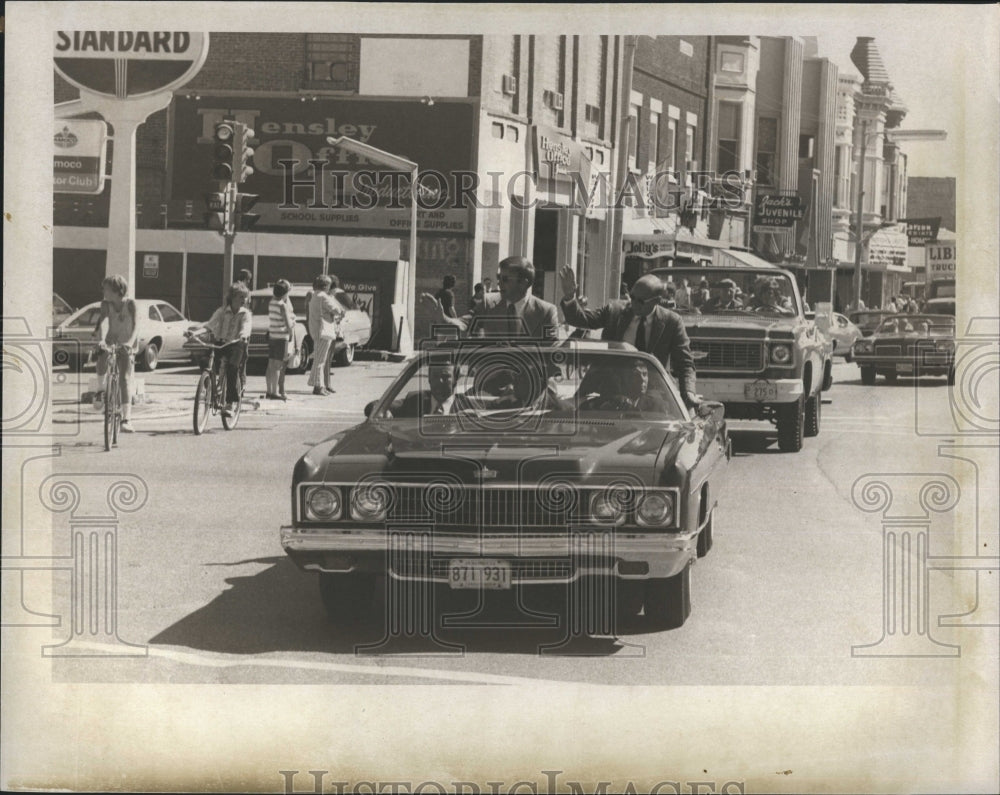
x=860 y=241
x=398 y=163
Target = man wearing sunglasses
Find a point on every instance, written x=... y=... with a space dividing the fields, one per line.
x=641 y=321
x=512 y=312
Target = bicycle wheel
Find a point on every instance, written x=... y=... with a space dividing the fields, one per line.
x=110 y=411
x=229 y=422
x=202 y=403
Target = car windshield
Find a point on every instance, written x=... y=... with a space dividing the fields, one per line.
x=511 y=384
x=729 y=291
x=922 y=325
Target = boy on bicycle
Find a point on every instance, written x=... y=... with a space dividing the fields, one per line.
x=122 y=337
x=230 y=326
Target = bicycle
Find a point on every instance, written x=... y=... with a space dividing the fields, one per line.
x=112 y=395
x=210 y=396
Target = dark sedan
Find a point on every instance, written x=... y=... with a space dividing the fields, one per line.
x=491 y=466
x=908 y=345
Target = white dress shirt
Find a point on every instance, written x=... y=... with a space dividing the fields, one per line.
x=445 y=407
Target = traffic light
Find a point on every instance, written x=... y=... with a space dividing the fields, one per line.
x=244 y=143
x=216 y=205
x=225 y=138
x=245 y=220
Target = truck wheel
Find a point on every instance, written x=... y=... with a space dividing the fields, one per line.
x=868 y=375
x=668 y=600
x=791 y=426
x=347 y=597
x=951 y=376
x=814 y=409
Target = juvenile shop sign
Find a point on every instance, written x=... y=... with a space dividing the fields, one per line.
x=777 y=212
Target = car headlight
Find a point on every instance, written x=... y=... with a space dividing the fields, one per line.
x=322 y=503
x=863 y=346
x=945 y=345
x=655 y=509
x=369 y=503
x=607 y=507
x=781 y=354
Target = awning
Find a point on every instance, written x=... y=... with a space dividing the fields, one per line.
x=726 y=258
x=650 y=237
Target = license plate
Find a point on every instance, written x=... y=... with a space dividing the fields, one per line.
x=479 y=573
x=904 y=368
x=760 y=390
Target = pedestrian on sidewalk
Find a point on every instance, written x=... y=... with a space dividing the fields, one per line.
x=324 y=314
x=280 y=340
x=446 y=295
x=478 y=294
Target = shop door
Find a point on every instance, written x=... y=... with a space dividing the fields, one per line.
x=545 y=250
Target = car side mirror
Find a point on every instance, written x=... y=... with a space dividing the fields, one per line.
x=370 y=408
x=711 y=409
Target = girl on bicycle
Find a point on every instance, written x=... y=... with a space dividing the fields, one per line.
x=230 y=323
x=122 y=337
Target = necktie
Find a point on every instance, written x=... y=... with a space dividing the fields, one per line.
x=640 y=335
x=511 y=320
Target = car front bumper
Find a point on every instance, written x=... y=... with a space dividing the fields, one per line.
x=624 y=555
x=927 y=364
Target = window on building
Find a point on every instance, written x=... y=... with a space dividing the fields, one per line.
x=766 y=161
x=731 y=62
x=692 y=131
x=654 y=138
x=669 y=146
x=728 y=153
x=333 y=60
x=635 y=120
x=807 y=145
x=842 y=177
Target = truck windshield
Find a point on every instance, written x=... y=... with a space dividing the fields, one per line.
x=731 y=291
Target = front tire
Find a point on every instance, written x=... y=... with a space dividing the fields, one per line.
x=346 y=598
x=951 y=376
x=230 y=422
x=705 y=536
x=868 y=375
x=791 y=426
x=814 y=411
x=668 y=600
x=149 y=358
x=202 y=403
x=827 y=376
x=345 y=356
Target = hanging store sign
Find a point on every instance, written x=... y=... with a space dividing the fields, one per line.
x=81 y=147
x=649 y=246
x=922 y=230
x=772 y=213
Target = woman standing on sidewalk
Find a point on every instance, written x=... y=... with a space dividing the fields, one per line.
x=324 y=314
x=280 y=340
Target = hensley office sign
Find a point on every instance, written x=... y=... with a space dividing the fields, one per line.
x=332 y=194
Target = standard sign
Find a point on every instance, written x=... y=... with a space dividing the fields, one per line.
x=81 y=147
x=941 y=259
x=129 y=63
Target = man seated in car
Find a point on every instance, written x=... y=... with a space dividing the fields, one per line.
x=767 y=297
x=724 y=297
x=625 y=389
x=522 y=388
x=439 y=399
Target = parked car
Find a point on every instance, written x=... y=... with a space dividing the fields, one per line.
x=843 y=333
x=355 y=328
x=763 y=363
x=908 y=345
x=161 y=335
x=60 y=309
x=545 y=443
x=868 y=319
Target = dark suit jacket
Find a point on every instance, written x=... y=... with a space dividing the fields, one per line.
x=666 y=338
x=418 y=404
x=489 y=319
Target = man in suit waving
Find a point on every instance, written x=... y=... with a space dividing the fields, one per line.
x=509 y=313
x=640 y=321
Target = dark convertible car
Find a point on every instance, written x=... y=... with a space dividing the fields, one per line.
x=908 y=345
x=502 y=466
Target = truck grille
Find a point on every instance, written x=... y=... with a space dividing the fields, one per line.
x=729 y=355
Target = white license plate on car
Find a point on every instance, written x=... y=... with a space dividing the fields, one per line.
x=479 y=573
x=904 y=368
x=760 y=390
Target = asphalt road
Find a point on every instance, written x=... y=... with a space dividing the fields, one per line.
x=793 y=581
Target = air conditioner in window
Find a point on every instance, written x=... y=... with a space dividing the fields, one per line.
x=554 y=99
x=509 y=85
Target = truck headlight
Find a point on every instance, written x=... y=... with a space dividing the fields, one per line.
x=781 y=354
x=945 y=345
x=656 y=509
x=322 y=503
x=370 y=503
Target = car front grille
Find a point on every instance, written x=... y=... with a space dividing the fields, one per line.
x=728 y=355
x=895 y=349
x=258 y=339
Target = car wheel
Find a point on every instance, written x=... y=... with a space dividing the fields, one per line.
x=868 y=375
x=847 y=356
x=149 y=358
x=345 y=356
x=304 y=350
x=951 y=376
x=814 y=409
x=705 y=536
x=791 y=426
x=346 y=597
x=668 y=600
x=74 y=361
x=827 y=376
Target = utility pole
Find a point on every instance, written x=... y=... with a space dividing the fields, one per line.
x=859 y=216
x=623 y=143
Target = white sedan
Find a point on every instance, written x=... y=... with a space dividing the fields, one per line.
x=161 y=335
x=842 y=332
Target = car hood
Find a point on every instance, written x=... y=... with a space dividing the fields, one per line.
x=742 y=326
x=575 y=450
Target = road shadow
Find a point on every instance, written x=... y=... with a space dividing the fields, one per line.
x=279 y=609
x=753 y=442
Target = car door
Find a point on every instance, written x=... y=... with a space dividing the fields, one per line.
x=356 y=327
x=174 y=326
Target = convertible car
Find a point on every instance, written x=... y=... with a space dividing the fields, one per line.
x=519 y=466
x=910 y=346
